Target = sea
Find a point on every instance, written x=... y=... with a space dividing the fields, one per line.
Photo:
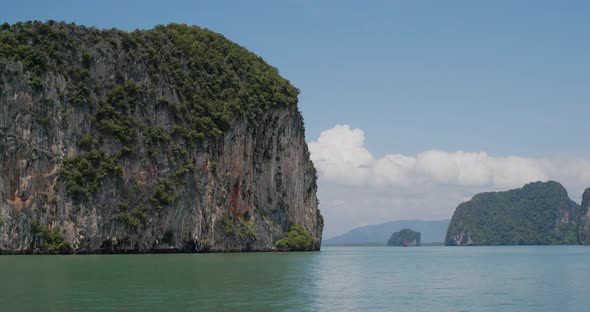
x=437 y=278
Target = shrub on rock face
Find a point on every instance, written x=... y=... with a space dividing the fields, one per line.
x=163 y=194
x=297 y=238
x=52 y=240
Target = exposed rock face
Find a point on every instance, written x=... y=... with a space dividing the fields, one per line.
x=405 y=237
x=114 y=145
x=584 y=221
x=540 y=213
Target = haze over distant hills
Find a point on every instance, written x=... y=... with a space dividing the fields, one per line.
x=432 y=231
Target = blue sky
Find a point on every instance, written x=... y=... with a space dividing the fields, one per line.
x=508 y=77
x=502 y=77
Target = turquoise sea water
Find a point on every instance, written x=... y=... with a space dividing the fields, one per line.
x=551 y=278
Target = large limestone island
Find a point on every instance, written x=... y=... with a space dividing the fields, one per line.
x=172 y=139
x=405 y=237
x=540 y=213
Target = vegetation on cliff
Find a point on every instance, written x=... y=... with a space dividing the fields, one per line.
x=297 y=238
x=540 y=213
x=405 y=237
x=213 y=80
x=83 y=174
x=216 y=79
x=50 y=240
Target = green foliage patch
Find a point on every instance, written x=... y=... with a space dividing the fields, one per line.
x=163 y=194
x=236 y=227
x=122 y=127
x=297 y=238
x=87 y=142
x=53 y=241
x=80 y=95
x=133 y=219
x=215 y=79
x=83 y=174
x=127 y=219
x=154 y=137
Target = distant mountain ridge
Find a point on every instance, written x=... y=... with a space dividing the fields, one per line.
x=432 y=232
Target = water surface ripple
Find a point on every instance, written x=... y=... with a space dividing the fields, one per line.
x=548 y=278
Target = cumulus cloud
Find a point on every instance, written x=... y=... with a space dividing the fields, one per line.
x=340 y=156
x=357 y=188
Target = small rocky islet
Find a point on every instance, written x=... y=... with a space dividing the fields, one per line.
x=404 y=238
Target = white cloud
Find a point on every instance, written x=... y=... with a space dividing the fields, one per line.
x=357 y=188
x=340 y=156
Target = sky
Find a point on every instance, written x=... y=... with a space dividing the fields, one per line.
x=410 y=107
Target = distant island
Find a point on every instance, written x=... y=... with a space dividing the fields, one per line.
x=432 y=233
x=540 y=213
x=405 y=237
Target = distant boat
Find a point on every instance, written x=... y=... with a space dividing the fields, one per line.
x=406 y=244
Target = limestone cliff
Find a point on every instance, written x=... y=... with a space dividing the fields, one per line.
x=584 y=221
x=165 y=140
x=540 y=213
